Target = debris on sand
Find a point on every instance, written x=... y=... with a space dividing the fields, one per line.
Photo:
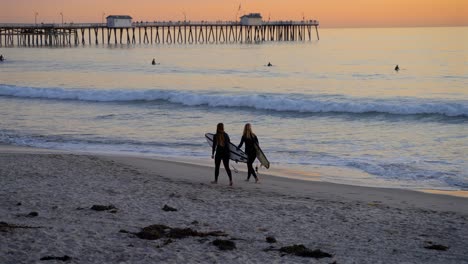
x=168 y=208
x=224 y=244
x=302 y=251
x=437 y=247
x=32 y=214
x=64 y=258
x=103 y=207
x=154 y=232
x=6 y=227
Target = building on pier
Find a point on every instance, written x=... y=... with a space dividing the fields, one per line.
x=252 y=19
x=114 y=21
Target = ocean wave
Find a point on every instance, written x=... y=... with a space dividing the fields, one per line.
x=412 y=173
x=272 y=102
x=37 y=140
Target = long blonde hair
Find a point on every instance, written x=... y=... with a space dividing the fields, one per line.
x=248 y=131
x=220 y=134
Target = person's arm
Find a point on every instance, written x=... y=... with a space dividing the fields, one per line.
x=227 y=140
x=214 y=145
x=241 y=143
x=256 y=140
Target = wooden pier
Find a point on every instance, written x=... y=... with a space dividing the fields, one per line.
x=157 y=33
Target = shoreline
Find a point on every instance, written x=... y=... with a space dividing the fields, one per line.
x=419 y=198
x=303 y=188
x=291 y=174
x=50 y=207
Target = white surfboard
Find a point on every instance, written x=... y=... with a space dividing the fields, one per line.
x=235 y=154
x=261 y=157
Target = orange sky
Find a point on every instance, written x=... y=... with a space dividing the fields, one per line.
x=330 y=13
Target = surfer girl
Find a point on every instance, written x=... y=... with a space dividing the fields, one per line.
x=250 y=140
x=221 y=143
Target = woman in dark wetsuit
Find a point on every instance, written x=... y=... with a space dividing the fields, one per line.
x=221 y=143
x=250 y=140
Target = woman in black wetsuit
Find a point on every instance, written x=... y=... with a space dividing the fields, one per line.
x=250 y=140
x=221 y=147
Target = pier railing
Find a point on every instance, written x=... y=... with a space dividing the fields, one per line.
x=157 y=32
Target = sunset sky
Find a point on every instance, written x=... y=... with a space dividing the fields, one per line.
x=330 y=13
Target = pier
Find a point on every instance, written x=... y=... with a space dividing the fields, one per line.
x=155 y=33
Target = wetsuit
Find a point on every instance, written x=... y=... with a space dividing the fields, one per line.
x=222 y=153
x=251 y=153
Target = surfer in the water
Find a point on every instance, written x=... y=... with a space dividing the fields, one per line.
x=397 y=68
x=250 y=140
x=221 y=143
x=153 y=62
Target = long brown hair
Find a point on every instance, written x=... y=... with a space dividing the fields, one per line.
x=248 y=131
x=220 y=134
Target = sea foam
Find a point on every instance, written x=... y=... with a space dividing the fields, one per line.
x=273 y=102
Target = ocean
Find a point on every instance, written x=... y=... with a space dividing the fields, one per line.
x=332 y=110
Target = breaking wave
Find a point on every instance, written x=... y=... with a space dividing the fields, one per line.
x=273 y=102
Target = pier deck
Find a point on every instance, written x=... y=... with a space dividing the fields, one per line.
x=165 y=32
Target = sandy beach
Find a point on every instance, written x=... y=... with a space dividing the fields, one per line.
x=84 y=208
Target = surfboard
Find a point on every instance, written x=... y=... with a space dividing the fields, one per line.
x=234 y=153
x=261 y=157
